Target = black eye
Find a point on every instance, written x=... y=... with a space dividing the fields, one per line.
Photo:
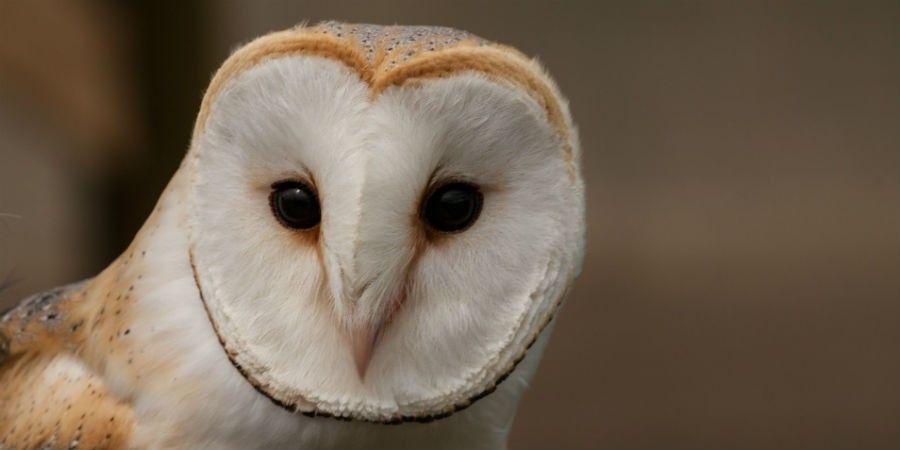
x=453 y=207
x=295 y=205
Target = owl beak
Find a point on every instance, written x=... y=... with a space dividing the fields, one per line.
x=367 y=332
x=363 y=341
x=373 y=290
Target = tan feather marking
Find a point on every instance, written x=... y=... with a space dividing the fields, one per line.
x=385 y=56
x=492 y=61
x=283 y=43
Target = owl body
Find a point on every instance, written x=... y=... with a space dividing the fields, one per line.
x=363 y=248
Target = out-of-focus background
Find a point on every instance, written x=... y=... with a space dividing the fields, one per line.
x=742 y=283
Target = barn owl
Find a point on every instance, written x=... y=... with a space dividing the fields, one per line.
x=364 y=247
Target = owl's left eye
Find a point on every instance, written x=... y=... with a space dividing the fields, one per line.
x=452 y=207
x=295 y=205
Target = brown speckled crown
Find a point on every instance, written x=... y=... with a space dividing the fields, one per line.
x=385 y=47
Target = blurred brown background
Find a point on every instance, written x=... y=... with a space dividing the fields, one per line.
x=742 y=284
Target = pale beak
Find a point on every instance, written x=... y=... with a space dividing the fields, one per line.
x=363 y=340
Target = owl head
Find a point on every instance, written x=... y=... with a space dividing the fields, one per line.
x=383 y=220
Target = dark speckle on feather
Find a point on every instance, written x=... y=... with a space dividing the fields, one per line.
x=4 y=346
x=42 y=308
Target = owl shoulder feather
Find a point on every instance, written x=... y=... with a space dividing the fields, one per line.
x=50 y=397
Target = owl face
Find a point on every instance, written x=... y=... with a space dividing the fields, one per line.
x=381 y=255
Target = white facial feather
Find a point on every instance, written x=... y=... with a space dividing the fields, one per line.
x=470 y=303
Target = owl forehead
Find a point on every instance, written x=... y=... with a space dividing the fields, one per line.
x=386 y=56
x=386 y=47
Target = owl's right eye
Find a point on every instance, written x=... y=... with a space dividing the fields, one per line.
x=295 y=205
